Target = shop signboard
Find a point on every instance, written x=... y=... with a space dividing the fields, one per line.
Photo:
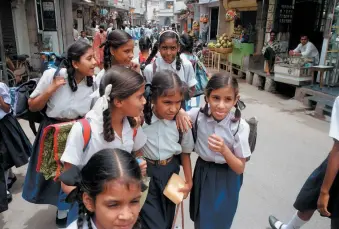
x=286 y=14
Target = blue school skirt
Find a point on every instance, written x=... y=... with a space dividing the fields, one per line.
x=214 y=196
x=36 y=189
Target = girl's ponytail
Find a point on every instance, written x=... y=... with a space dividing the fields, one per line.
x=81 y=215
x=71 y=75
x=107 y=126
x=153 y=53
x=237 y=114
x=178 y=62
x=148 y=106
x=89 y=222
x=107 y=55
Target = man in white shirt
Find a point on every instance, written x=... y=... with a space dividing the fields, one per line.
x=306 y=49
x=110 y=28
x=83 y=37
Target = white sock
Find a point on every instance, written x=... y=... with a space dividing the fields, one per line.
x=62 y=214
x=295 y=223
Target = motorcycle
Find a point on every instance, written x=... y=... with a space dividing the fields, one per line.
x=48 y=60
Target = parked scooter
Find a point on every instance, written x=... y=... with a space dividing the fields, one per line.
x=49 y=60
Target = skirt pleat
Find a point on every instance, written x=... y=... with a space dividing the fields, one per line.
x=16 y=147
x=308 y=196
x=36 y=189
x=214 y=196
x=158 y=211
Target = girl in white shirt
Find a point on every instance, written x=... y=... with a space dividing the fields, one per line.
x=66 y=97
x=118 y=50
x=108 y=190
x=222 y=146
x=112 y=126
x=164 y=141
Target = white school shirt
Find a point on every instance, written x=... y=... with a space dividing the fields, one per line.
x=207 y=126
x=85 y=226
x=308 y=51
x=334 y=127
x=65 y=103
x=162 y=140
x=74 y=153
x=99 y=77
x=4 y=93
x=186 y=72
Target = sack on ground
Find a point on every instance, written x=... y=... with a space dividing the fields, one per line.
x=52 y=146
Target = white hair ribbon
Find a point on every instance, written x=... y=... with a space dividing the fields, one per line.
x=102 y=103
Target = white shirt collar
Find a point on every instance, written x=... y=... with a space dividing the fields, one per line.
x=162 y=62
x=156 y=119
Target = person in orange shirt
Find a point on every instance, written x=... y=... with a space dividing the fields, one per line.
x=99 y=38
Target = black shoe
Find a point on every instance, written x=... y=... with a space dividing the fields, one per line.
x=12 y=181
x=61 y=223
x=9 y=197
x=272 y=220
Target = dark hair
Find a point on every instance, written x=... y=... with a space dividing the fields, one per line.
x=162 y=82
x=108 y=164
x=169 y=34
x=186 y=42
x=115 y=39
x=101 y=27
x=303 y=35
x=273 y=31
x=217 y=81
x=145 y=43
x=74 y=53
x=125 y=82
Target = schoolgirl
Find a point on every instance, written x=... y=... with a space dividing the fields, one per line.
x=112 y=126
x=222 y=146
x=110 y=196
x=164 y=141
x=145 y=45
x=169 y=59
x=15 y=148
x=66 y=97
x=118 y=50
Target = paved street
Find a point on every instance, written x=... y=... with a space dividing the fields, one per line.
x=290 y=145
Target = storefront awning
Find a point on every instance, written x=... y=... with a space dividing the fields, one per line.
x=241 y=5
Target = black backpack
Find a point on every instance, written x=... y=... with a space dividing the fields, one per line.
x=252 y=137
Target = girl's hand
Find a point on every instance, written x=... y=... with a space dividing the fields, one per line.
x=323 y=203
x=135 y=67
x=58 y=82
x=216 y=143
x=143 y=166
x=183 y=120
x=186 y=189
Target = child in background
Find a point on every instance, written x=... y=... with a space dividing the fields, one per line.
x=15 y=148
x=222 y=146
x=145 y=46
x=164 y=97
x=110 y=196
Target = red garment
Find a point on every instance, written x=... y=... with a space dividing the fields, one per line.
x=99 y=38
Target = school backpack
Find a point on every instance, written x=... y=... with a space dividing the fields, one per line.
x=52 y=145
x=142 y=31
x=252 y=137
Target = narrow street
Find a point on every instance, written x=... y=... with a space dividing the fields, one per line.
x=290 y=145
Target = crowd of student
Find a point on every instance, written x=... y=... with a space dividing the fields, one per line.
x=139 y=126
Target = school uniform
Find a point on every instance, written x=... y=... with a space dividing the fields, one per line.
x=215 y=193
x=75 y=155
x=186 y=72
x=309 y=193
x=63 y=105
x=15 y=147
x=85 y=225
x=162 y=144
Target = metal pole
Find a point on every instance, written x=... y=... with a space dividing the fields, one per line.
x=3 y=57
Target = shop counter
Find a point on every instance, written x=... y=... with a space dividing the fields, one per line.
x=292 y=74
x=240 y=54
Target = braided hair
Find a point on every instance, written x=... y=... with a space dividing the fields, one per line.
x=115 y=39
x=168 y=34
x=217 y=81
x=74 y=53
x=125 y=82
x=145 y=44
x=109 y=164
x=186 y=42
x=161 y=83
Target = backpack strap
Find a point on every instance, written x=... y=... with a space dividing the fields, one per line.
x=195 y=128
x=237 y=129
x=181 y=134
x=86 y=131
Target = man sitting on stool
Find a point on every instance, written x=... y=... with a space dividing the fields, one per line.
x=306 y=49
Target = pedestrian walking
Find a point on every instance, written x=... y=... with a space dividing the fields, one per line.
x=321 y=189
x=118 y=181
x=112 y=126
x=164 y=141
x=145 y=46
x=118 y=50
x=222 y=146
x=99 y=38
x=64 y=97
x=15 y=148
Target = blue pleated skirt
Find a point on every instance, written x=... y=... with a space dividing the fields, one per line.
x=214 y=196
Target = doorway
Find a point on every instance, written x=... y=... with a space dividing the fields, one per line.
x=214 y=23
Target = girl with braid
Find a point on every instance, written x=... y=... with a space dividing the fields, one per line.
x=169 y=59
x=222 y=146
x=118 y=50
x=112 y=126
x=65 y=96
x=109 y=197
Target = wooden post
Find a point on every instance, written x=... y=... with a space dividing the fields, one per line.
x=3 y=57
